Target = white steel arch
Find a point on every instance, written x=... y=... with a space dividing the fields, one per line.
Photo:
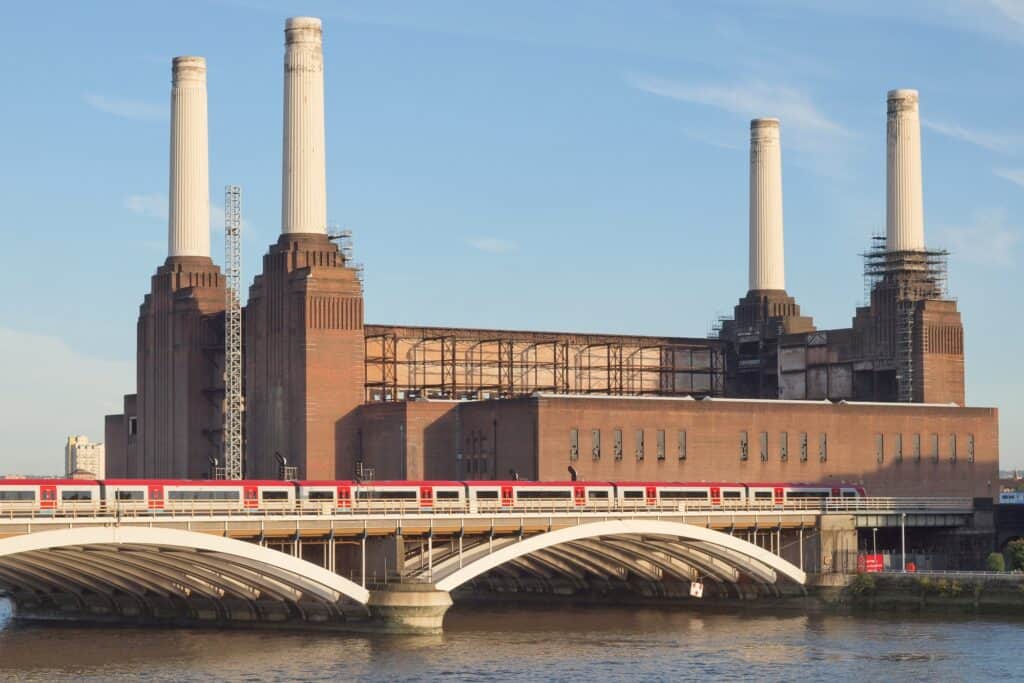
x=320 y=582
x=747 y=557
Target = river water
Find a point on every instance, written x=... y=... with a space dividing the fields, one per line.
x=537 y=643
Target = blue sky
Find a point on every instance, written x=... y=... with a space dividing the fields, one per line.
x=577 y=166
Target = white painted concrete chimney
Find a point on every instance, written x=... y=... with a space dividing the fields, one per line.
x=767 y=261
x=904 y=219
x=304 y=173
x=188 y=226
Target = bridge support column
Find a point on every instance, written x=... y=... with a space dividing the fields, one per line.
x=409 y=607
x=838 y=546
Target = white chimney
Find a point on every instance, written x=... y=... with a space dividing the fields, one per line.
x=304 y=173
x=188 y=226
x=767 y=262
x=904 y=219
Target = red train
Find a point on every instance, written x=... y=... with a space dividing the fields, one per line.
x=154 y=495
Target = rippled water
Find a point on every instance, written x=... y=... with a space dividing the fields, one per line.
x=532 y=643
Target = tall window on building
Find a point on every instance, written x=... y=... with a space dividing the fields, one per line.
x=682 y=444
x=133 y=426
x=803 y=447
x=661 y=444
x=783 y=446
x=917 y=448
x=952 y=447
x=970 y=448
x=639 y=445
x=898 y=447
x=764 y=446
x=574 y=444
x=744 y=446
x=617 y=443
x=935 y=447
x=595 y=443
x=880 y=447
x=823 y=447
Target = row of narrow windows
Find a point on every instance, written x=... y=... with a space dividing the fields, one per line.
x=640 y=447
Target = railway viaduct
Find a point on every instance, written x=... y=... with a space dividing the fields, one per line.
x=397 y=570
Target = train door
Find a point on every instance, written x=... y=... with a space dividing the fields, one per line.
x=716 y=495
x=156 y=496
x=48 y=497
x=506 y=496
x=651 y=493
x=251 y=497
x=835 y=493
x=344 y=497
x=426 y=496
x=778 y=494
x=579 y=494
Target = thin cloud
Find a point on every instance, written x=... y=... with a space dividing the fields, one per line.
x=126 y=108
x=148 y=205
x=792 y=106
x=1014 y=175
x=987 y=241
x=994 y=142
x=492 y=245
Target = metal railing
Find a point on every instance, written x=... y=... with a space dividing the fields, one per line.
x=392 y=507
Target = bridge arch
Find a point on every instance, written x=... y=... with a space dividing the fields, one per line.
x=154 y=566
x=701 y=550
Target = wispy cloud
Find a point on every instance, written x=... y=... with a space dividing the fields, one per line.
x=126 y=108
x=994 y=142
x=987 y=241
x=793 y=106
x=492 y=245
x=148 y=205
x=1014 y=175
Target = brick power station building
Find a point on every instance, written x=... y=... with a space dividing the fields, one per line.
x=769 y=397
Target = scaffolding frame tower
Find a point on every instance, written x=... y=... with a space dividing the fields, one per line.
x=233 y=398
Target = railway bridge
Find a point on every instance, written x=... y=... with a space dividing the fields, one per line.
x=396 y=569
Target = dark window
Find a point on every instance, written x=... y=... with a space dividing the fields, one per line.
x=597 y=494
x=17 y=495
x=133 y=426
x=129 y=495
x=76 y=495
x=274 y=495
x=808 y=494
x=574 y=444
x=898 y=447
x=661 y=444
x=935 y=447
x=639 y=444
x=917 y=447
x=731 y=494
x=371 y=494
x=784 y=446
x=486 y=495
x=764 y=446
x=632 y=494
x=689 y=495
x=803 y=446
x=595 y=443
x=202 y=495
x=823 y=447
x=682 y=444
x=744 y=447
x=543 y=494
x=880 y=447
x=849 y=494
x=321 y=495
x=617 y=436
x=970 y=448
x=758 y=495
x=446 y=495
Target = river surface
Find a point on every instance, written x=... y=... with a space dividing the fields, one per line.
x=538 y=643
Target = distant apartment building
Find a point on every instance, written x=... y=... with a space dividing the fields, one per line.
x=82 y=456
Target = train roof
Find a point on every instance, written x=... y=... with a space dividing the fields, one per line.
x=406 y=482
x=50 y=482
x=520 y=482
x=198 y=482
x=804 y=484
x=679 y=483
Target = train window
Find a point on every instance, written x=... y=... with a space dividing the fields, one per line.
x=808 y=494
x=274 y=495
x=486 y=495
x=632 y=494
x=689 y=495
x=130 y=495
x=762 y=495
x=321 y=495
x=76 y=495
x=202 y=495
x=385 y=495
x=849 y=494
x=446 y=495
x=732 y=494
x=597 y=494
x=661 y=444
x=543 y=494
x=17 y=495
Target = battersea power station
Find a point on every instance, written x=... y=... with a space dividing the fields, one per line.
x=767 y=397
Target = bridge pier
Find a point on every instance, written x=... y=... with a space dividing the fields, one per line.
x=409 y=608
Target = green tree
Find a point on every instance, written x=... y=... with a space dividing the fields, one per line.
x=1015 y=553
x=995 y=562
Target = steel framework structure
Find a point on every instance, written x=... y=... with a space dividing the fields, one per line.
x=233 y=397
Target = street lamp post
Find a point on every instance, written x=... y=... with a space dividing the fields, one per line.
x=874 y=540
x=903 y=539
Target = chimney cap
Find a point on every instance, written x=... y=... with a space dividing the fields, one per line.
x=901 y=94
x=188 y=67
x=767 y=122
x=303 y=22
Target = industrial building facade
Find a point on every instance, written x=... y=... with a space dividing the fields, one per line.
x=767 y=397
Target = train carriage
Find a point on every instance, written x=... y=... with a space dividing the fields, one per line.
x=495 y=495
x=779 y=493
x=51 y=496
x=409 y=495
x=636 y=494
